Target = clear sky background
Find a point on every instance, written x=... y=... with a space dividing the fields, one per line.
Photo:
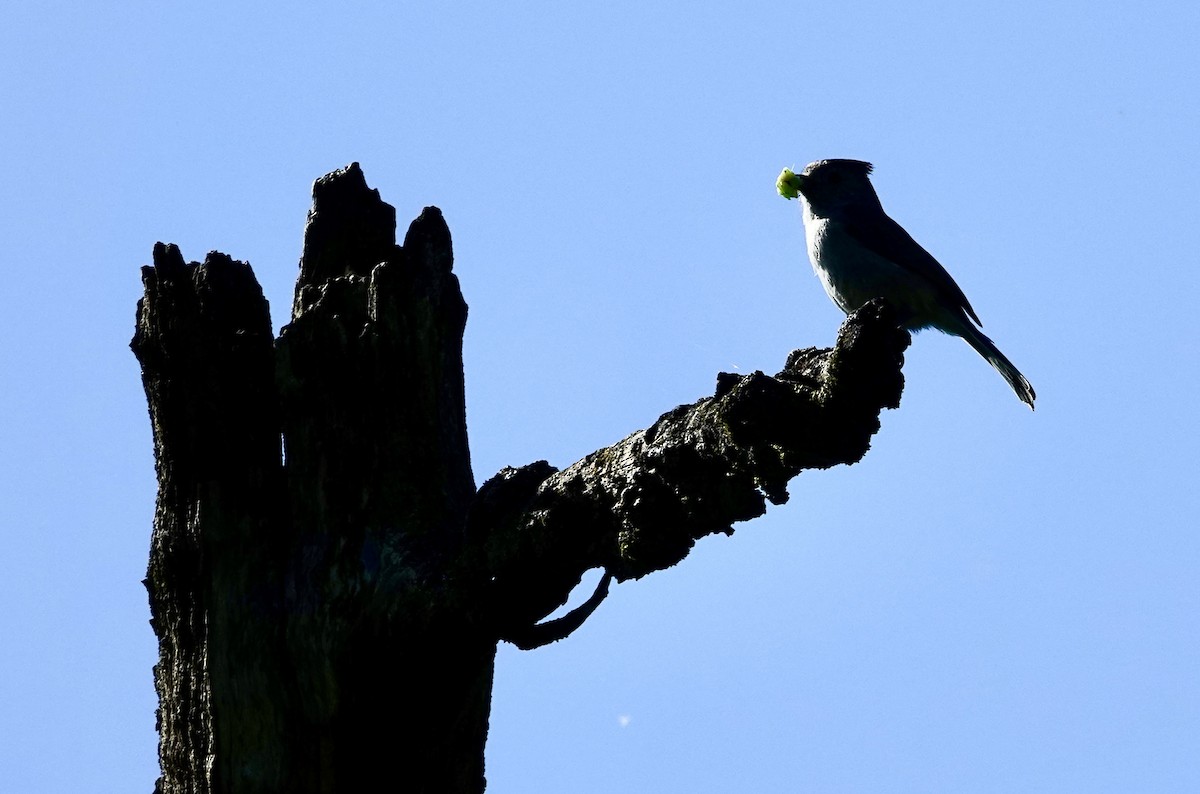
x=993 y=600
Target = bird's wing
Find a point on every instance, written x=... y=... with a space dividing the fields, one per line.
x=889 y=240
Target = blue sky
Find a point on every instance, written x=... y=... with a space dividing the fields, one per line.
x=993 y=600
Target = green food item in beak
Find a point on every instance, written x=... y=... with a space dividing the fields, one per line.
x=788 y=184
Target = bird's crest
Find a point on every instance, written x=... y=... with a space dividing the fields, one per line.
x=840 y=164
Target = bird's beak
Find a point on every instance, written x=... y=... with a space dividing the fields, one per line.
x=789 y=183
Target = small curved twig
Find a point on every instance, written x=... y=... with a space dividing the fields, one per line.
x=554 y=630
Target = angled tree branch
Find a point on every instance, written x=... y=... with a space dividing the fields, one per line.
x=639 y=505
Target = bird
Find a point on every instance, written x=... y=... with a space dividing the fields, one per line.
x=860 y=253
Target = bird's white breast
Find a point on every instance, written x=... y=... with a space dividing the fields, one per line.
x=853 y=274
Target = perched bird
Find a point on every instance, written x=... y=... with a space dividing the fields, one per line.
x=859 y=253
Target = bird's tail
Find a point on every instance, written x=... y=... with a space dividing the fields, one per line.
x=987 y=348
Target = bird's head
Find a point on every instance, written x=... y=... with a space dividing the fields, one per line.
x=830 y=187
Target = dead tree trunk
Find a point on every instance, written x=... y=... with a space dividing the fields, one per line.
x=327 y=585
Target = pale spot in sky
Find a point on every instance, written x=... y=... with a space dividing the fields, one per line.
x=623 y=720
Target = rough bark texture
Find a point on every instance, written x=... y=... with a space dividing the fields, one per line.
x=327 y=586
